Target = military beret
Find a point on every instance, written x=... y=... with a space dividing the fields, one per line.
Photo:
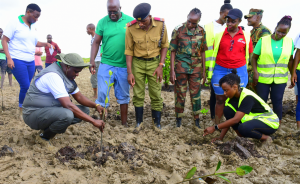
x=254 y=12
x=141 y=11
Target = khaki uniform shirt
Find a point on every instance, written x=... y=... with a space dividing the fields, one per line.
x=140 y=43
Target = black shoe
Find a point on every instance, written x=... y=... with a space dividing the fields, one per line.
x=139 y=115
x=156 y=116
x=47 y=134
x=178 y=122
x=197 y=123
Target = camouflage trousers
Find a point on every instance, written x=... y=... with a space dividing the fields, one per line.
x=250 y=85
x=181 y=82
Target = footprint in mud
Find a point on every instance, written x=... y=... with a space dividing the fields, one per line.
x=241 y=146
x=93 y=153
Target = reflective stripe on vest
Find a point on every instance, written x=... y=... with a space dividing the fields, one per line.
x=269 y=117
x=217 y=41
x=210 y=36
x=268 y=70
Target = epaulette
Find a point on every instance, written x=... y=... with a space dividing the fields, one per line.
x=177 y=27
x=202 y=26
x=159 y=19
x=131 y=23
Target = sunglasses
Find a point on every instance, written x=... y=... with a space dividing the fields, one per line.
x=231 y=46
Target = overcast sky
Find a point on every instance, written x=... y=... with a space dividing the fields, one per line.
x=66 y=20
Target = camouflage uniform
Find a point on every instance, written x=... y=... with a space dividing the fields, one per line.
x=188 y=47
x=256 y=34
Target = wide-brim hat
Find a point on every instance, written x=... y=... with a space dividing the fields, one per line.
x=72 y=59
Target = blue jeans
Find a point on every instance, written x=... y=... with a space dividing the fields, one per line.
x=220 y=72
x=47 y=64
x=23 y=72
x=121 y=86
x=298 y=104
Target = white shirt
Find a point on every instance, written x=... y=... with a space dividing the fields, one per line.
x=22 y=40
x=98 y=57
x=52 y=83
x=297 y=42
x=218 y=27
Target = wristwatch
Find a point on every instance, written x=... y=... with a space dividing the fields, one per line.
x=163 y=64
x=216 y=127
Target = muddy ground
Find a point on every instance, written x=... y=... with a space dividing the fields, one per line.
x=147 y=155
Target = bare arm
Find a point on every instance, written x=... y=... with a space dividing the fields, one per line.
x=80 y=98
x=294 y=67
x=254 y=68
x=10 y=62
x=66 y=103
x=43 y=44
x=94 y=51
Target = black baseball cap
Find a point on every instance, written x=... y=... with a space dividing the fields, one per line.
x=235 y=13
x=141 y=11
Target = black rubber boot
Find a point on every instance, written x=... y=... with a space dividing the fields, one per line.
x=178 y=122
x=47 y=134
x=156 y=116
x=197 y=123
x=139 y=115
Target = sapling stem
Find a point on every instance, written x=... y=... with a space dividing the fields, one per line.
x=209 y=175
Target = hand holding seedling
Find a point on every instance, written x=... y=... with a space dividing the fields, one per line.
x=99 y=124
x=99 y=109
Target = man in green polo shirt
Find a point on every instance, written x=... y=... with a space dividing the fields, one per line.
x=111 y=31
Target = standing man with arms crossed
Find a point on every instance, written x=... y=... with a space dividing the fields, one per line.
x=211 y=30
x=111 y=31
x=50 y=58
x=146 y=40
x=90 y=29
x=259 y=30
x=3 y=64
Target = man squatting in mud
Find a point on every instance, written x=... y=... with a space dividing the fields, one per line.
x=146 y=46
x=47 y=105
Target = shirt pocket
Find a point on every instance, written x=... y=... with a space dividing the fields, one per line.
x=140 y=43
x=153 y=42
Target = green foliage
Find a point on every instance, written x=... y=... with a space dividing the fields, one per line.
x=43 y=58
x=166 y=69
x=241 y=171
x=204 y=111
x=118 y=112
x=191 y=173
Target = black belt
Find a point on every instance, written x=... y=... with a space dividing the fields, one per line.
x=148 y=59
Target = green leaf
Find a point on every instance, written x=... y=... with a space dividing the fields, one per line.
x=111 y=84
x=247 y=169
x=191 y=173
x=110 y=73
x=218 y=166
x=106 y=82
x=106 y=100
x=224 y=178
x=240 y=171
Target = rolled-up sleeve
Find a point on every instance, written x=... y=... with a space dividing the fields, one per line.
x=129 y=43
x=174 y=42
x=165 y=40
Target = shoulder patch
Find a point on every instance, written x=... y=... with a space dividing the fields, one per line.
x=159 y=19
x=131 y=23
x=177 y=27
x=202 y=27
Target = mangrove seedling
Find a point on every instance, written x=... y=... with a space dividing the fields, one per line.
x=106 y=101
x=241 y=171
x=204 y=111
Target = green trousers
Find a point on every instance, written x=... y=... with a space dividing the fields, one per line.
x=142 y=69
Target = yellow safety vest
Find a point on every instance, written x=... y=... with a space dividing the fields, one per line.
x=217 y=40
x=210 y=37
x=268 y=70
x=269 y=117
